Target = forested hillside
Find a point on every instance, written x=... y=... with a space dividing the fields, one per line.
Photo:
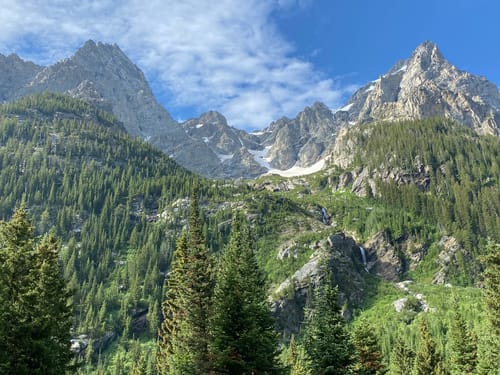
x=102 y=193
x=409 y=201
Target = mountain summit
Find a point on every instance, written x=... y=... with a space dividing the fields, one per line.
x=427 y=85
x=424 y=85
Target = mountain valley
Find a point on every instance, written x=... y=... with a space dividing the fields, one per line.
x=394 y=197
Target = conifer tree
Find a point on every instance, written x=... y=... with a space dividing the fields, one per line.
x=35 y=318
x=184 y=333
x=427 y=359
x=243 y=336
x=296 y=359
x=173 y=314
x=369 y=356
x=489 y=345
x=463 y=345
x=402 y=358
x=198 y=292
x=326 y=341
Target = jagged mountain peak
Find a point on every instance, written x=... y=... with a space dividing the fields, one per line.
x=426 y=55
x=213 y=117
x=101 y=53
x=426 y=85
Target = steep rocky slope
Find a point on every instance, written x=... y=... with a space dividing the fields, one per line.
x=427 y=85
x=424 y=85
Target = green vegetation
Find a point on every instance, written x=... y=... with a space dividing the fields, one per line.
x=119 y=207
x=35 y=318
x=327 y=344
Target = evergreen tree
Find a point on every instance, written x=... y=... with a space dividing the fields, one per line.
x=198 y=292
x=369 y=356
x=463 y=345
x=491 y=278
x=36 y=319
x=296 y=359
x=326 y=341
x=184 y=334
x=243 y=337
x=402 y=358
x=173 y=314
x=427 y=360
x=489 y=345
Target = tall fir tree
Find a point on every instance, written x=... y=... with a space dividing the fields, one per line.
x=36 y=317
x=295 y=359
x=169 y=348
x=368 y=353
x=184 y=333
x=327 y=343
x=489 y=344
x=402 y=358
x=243 y=336
x=427 y=359
x=463 y=345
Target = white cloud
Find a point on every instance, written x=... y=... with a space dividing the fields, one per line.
x=226 y=55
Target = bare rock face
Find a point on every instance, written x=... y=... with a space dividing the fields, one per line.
x=424 y=85
x=427 y=85
x=340 y=255
x=301 y=141
x=387 y=262
x=14 y=74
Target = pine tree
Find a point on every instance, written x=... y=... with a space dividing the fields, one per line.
x=326 y=341
x=243 y=337
x=463 y=345
x=184 y=333
x=36 y=319
x=427 y=360
x=489 y=345
x=296 y=359
x=173 y=314
x=198 y=291
x=402 y=358
x=369 y=356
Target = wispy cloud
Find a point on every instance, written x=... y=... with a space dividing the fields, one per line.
x=226 y=55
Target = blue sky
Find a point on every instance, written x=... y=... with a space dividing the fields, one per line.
x=256 y=60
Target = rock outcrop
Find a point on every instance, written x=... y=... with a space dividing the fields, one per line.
x=425 y=85
x=340 y=256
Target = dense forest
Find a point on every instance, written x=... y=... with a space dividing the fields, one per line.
x=129 y=225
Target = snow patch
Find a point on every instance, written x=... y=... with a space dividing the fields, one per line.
x=260 y=132
x=296 y=171
x=345 y=108
x=223 y=157
x=371 y=88
x=206 y=139
x=402 y=69
x=260 y=156
x=199 y=126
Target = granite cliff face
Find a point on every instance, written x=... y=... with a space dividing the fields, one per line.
x=425 y=85
x=103 y=75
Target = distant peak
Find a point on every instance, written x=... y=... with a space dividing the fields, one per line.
x=92 y=46
x=427 y=54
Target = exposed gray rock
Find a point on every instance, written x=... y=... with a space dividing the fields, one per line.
x=427 y=85
x=387 y=263
x=447 y=258
x=14 y=74
x=424 y=85
x=339 y=254
x=301 y=141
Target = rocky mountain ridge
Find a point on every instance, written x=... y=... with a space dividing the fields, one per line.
x=425 y=85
